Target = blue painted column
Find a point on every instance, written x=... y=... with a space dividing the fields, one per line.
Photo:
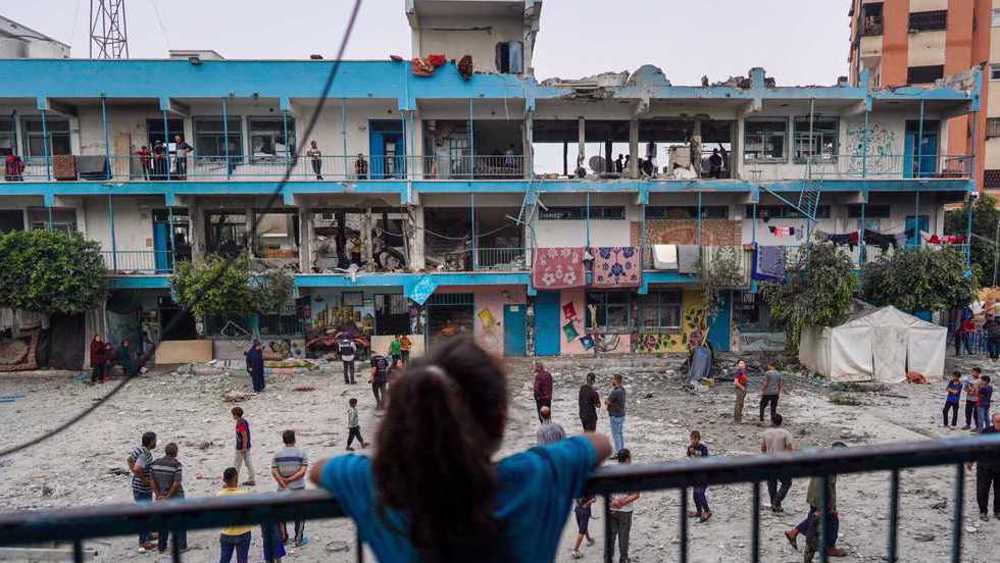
x=861 y=231
x=475 y=234
x=171 y=239
x=111 y=228
x=225 y=133
x=45 y=148
x=472 y=142
x=343 y=132
x=288 y=148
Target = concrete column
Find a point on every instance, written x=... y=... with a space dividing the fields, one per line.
x=581 y=141
x=366 y=240
x=306 y=235
x=196 y=216
x=418 y=256
x=529 y=143
x=633 y=147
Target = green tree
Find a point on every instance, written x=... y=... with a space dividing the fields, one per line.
x=272 y=290
x=51 y=272
x=985 y=218
x=819 y=290
x=919 y=279
x=217 y=286
x=719 y=269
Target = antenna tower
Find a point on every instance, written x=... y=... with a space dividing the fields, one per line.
x=108 y=32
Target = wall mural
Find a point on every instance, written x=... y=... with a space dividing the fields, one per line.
x=883 y=152
x=694 y=329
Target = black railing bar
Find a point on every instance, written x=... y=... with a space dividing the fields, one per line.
x=893 y=554
x=607 y=529
x=359 y=546
x=720 y=470
x=78 y=551
x=823 y=519
x=189 y=514
x=956 y=524
x=684 y=525
x=175 y=549
x=755 y=524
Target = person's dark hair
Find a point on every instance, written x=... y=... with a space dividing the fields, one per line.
x=353 y=402
x=839 y=445
x=956 y=374
x=696 y=434
x=444 y=422
x=149 y=439
x=591 y=378
x=170 y=449
x=230 y=475
x=777 y=419
x=623 y=455
x=978 y=370
x=237 y=411
x=288 y=437
x=987 y=379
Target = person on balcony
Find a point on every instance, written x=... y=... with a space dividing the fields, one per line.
x=316 y=159
x=432 y=491
x=715 y=164
x=145 y=157
x=160 y=164
x=181 y=151
x=13 y=168
x=361 y=167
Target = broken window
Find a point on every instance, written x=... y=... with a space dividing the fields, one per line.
x=267 y=138
x=11 y=220
x=765 y=140
x=824 y=140
x=60 y=218
x=580 y=213
x=277 y=237
x=687 y=212
x=924 y=74
x=871 y=19
x=34 y=143
x=929 y=21
x=612 y=311
x=766 y=212
x=286 y=322
x=510 y=57
x=660 y=310
x=871 y=211
x=210 y=137
x=227 y=233
x=392 y=314
x=7 y=135
x=994 y=72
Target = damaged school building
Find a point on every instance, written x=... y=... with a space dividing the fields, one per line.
x=456 y=194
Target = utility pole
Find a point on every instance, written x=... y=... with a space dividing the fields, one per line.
x=108 y=30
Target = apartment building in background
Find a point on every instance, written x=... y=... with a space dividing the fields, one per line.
x=917 y=42
x=457 y=194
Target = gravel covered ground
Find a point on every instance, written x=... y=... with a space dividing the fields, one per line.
x=85 y=465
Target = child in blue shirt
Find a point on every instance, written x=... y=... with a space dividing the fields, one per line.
x=954 y=390
x=432 y=491
x=697 y=449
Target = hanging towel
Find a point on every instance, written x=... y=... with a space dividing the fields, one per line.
x=769 y=264
x=558 y=268
x=616 y=266
x=665 y=256
x=687 y=258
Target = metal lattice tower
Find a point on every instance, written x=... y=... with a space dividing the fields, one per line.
x=108 y=31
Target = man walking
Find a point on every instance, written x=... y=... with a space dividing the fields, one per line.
x=168 y=485
x=243 y=446
x=815 y=500
x=542 y=389
x=985 y=395
x=255 y=366
x=776 y=441
x=139 y=461
x=771 y=391
x=549 y=431
x=971 y=385
x=616 y=412
x=379 y=379
x=589 y=401
x=987 y=476
x=348 y=351
x=289 y=468
x=740 y=382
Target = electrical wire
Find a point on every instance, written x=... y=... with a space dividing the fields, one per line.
x=275 y=196
x=159 y=21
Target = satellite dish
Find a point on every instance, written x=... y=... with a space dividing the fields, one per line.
x=597 y=164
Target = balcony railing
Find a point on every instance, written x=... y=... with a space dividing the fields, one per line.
x=490 y=260
x=77 y=525
x=887 y=166
x=139 y=261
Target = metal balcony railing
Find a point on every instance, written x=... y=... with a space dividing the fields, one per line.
x=79 y=524
x=490 y=260
x=139 y=261
x=887 y=166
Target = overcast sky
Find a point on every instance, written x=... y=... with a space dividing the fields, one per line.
x=797 y=41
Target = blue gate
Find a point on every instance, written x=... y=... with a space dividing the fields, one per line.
x=514 y=342
x=547 y=323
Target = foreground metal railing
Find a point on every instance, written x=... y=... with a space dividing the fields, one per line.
x=77 y=525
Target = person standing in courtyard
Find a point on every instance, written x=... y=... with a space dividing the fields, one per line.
x=353 y=425
x=991 y=328
x=740 y=382
x=542 y=389
x=379 y=379
x=971 y=385
x=139 y=461
x=289 y=468
x=815 y=499
x=98 y=359
x=243 y=455
x=405 y=345
x=234 y=539
x=348 y=351
x=987 y=477
x=620 y=524
x=771 y=391
x=985 y=397
x=168 y=484
x=697 y=449
x=589 y=401
x=255 y=366
x=953 y=393
x=616 y=412
x=395 y=350
x=777 y=441
x=583 y=510
x=434 y=489
x=549 y=431
x=126 y=358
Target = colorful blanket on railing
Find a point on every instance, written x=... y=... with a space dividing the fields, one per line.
x=558 y=268
x=616 y=266
x=769 y=263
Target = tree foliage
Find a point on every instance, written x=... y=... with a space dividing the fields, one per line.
x=918 y=279
x=51 y=272
x=985 y=217
x=819 y=290
x=720 y=269
x=216 y=286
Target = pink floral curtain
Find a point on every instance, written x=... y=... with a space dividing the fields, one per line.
x=616 y=266
x=558 y=268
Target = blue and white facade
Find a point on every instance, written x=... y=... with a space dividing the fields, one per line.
x=439 y=189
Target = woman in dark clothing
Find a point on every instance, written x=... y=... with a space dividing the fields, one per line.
x=255 y=366
x=98 y=359
x=126 y=358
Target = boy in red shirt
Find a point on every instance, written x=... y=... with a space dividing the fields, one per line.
x=741 y=382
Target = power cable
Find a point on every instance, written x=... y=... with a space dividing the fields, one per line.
x=275 y=196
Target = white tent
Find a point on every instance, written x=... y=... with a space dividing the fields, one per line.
x=878 y=344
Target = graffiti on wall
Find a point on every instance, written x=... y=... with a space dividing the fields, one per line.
x=693 y=331
x=883 y=153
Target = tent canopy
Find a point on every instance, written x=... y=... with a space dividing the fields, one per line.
x=877 y=344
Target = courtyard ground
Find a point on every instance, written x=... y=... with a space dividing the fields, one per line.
x=86 y=465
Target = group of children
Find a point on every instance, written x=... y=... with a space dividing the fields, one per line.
x=978 y=390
